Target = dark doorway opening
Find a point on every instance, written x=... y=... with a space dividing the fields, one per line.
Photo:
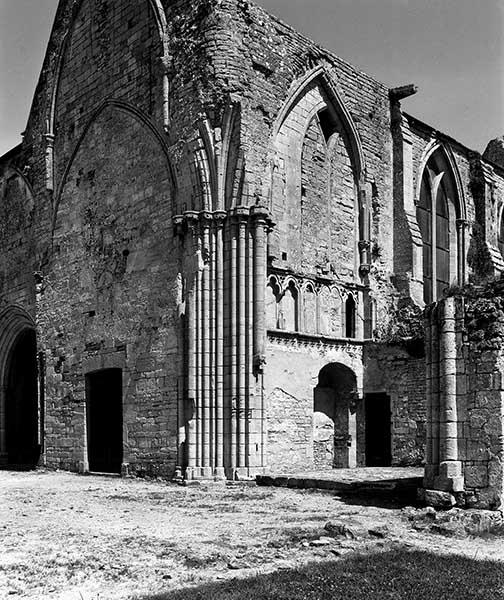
x=104 y=420
x=378 y=431
x=21 y=403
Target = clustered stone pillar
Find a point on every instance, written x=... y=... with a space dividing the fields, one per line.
x=224 y=264
x=443 y=469
x=465 y=390
x=450 y=471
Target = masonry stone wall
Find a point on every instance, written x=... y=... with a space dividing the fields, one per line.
x=394 y=370
x=112 y=288
x=289 y=387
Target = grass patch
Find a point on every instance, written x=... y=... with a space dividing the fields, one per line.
x=392 y=575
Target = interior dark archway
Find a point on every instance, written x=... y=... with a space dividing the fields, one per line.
x=335 y=429
x=21 y=402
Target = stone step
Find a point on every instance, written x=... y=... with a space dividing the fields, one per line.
x=406 y=488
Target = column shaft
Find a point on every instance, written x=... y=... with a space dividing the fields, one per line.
x=448 y=384
x=205 y=396
x=251 y=408
x=219 y=327
x=435 y=387
x=242 y=292
x=199 y=369
x=233 y=342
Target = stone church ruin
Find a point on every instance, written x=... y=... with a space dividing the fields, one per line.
x=226 y=251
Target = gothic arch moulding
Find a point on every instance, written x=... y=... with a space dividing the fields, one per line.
x=11 y=171
x=134 y=113
x=440 y=213
x=334 y=104
x=162 y=29
x=316 y=164
x=13 y=321
x=446 y=153
x=217 y=162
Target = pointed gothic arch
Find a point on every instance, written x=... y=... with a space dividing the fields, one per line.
x=20 y=412
x=446 y=154
x=133 y=112
x=313 y=117
x=217 y=162
x=50 y=120
x=335 y=105
x=500 y=231
x=440 y=216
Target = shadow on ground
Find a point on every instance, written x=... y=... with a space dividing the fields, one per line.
x=394 y=492
x=382 y=494
x=395 y=575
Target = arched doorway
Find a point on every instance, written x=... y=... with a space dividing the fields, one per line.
x=20 y=439
x=335 y=424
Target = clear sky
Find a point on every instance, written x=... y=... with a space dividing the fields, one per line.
x=452 y=49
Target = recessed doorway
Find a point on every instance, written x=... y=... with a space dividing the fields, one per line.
x=334 y=418
x=378 y=431
x=104 y=420
x=21 y=406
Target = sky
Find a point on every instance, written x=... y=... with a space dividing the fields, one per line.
x=453 y=50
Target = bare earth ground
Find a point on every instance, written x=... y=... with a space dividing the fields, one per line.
x=71 y=537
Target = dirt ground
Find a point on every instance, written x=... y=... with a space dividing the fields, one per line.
x=71 y=537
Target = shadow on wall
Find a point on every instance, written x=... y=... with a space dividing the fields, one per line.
x=395 y=574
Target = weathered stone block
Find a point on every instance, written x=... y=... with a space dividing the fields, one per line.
x=438 y=499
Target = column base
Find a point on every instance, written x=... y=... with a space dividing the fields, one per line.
x=83 y=467
x=222 y=474
x=219 y=474
x=430 y=474
x=204 y=474
x=449 y=478
x=178 y=476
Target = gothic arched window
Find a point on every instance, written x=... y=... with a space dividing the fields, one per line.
x=501 y=234
x=436 y=214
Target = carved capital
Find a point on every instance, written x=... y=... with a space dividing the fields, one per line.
x=259 y=362
x=364 y=270
x=462 y=223
x=219 y=217
x=206 y=217
x=241 y=213
x=178 y=225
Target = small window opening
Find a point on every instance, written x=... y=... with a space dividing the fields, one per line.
x=326 y=123
x=501 y=234
x=350 y=317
